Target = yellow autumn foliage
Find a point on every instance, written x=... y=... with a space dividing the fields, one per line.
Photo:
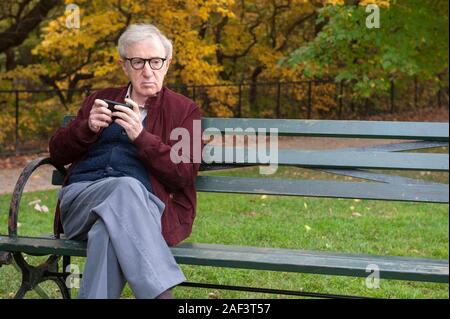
x=215 y=42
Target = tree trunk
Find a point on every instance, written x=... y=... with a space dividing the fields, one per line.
x=10 y=60
x=253 y=89
x=18 y=32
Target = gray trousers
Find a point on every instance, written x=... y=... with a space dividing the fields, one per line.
x=121 y=221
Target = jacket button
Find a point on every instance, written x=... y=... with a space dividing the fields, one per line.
x=171 y=196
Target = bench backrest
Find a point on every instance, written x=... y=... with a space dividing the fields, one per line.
x=357 y=162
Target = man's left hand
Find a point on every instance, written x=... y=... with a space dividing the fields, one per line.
x=129 y=119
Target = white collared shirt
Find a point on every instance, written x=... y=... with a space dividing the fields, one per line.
x=141 y=107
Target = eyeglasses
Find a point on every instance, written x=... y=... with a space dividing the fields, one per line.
x=139 y=63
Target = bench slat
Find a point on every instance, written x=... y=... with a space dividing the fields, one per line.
x=43 y=246
x=329 y=128
x=396 y=147
x=390 y=267
x=435 y=193
x=358 y=129
x=346 y=160
x=289 y=260
x=418 y=192
x=378 y=177
x=340 y=159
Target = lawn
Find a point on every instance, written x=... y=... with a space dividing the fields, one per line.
x=337 y=225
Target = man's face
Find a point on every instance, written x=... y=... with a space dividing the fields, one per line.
x=146 y=82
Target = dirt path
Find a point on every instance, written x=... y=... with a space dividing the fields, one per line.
x=40 y=180
x=11 y=167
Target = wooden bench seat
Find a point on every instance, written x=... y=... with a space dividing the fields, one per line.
x=277 y=259
x=360 y=163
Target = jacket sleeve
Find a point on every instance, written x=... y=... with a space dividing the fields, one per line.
x=73 y=141
x=156 y=155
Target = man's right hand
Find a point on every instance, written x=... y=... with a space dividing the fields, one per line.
x=100 y=116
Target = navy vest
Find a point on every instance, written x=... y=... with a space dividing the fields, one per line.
x=112 y=155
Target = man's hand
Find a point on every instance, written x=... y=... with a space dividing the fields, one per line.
x=129 y=119
x=100 y=116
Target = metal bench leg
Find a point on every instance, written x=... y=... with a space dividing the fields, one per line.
x=32 y=276
x=24 y=287
x=5 y=258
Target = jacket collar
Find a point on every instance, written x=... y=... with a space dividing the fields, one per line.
x=152 y=102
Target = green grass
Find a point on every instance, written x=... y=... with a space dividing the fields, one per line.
x=380 y=228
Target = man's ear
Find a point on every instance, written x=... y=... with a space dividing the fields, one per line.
x=168 y=64
x=122 y=64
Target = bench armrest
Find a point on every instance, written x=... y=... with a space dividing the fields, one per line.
x=20 y=186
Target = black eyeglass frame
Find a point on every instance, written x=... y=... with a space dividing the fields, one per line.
x=145 y=61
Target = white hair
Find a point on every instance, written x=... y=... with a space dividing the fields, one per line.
x=140 y=32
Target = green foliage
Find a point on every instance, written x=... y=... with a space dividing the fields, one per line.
x=412 y=41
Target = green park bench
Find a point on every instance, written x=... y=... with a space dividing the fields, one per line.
x=371 y=164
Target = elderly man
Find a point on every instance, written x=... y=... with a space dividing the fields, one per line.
x=123 y=193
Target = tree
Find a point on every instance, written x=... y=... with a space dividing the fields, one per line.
x=412 y=41
x=19 y=18
x=214 y=41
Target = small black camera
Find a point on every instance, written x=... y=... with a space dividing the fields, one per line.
x=112 y=109
x=112 y=103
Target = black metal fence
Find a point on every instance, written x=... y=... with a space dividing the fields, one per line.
x=29 y=117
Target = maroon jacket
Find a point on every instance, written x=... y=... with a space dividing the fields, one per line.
x=173 y=183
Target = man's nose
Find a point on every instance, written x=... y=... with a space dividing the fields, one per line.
x=147 y=70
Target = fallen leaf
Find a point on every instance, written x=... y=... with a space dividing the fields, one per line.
x=251 y=213
x=37 y=207
x=306 y=205
x=307 y=228
x=44 y=209
x=213 y=295
x=356 y=214
x=352 y=207
x=36 y=201
x=263 y=196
